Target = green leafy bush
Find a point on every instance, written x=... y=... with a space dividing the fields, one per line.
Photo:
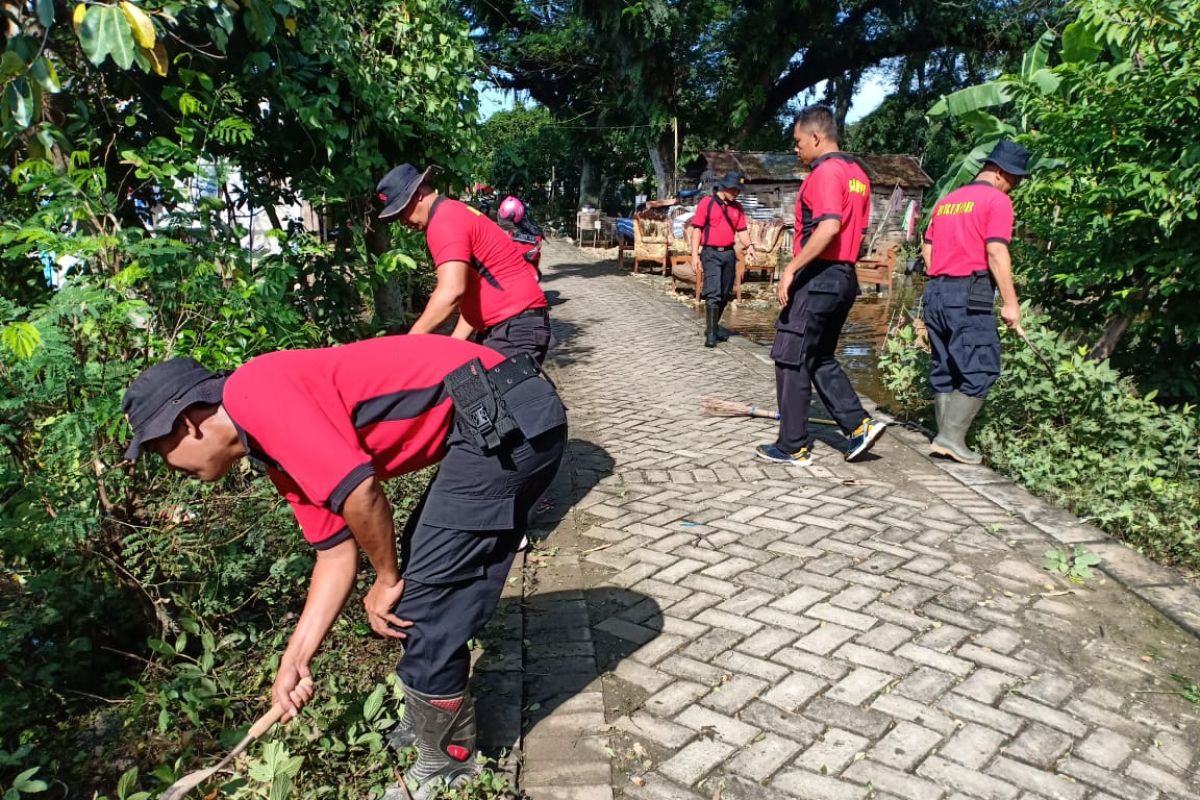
x=1078 y=432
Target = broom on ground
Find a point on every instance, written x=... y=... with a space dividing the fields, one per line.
x=712 y=407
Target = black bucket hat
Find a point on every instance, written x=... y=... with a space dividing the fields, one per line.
x=1010 y=157
x=160 y=394
x=732 y=180
x=396 y=189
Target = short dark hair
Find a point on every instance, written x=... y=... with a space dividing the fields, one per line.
x=819 y=118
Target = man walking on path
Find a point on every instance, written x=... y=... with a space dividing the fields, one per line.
x=481 y=273
x=966 y=250
x=720 y=221
x=330 y=425
x=816 y=290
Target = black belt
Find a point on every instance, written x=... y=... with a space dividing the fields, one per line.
x=513 y=370
x=949 y=277
x=542 y=312
x=718 y=249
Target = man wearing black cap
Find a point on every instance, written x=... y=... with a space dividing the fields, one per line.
x=482 y=273
x=966 y=251
x=329 y=425
x=720 y=221
x=816 y=291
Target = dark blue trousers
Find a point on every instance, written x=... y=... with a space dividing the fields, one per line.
x=964 y=345
x=720 y=268
x=528 y=332
x=460 y=540
x=806 y=337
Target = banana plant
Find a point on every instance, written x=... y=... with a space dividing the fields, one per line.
x=978 y=108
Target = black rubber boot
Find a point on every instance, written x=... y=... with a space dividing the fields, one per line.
x=958 y=412
x=722 y=335
x=443 y=729
x=712 y=312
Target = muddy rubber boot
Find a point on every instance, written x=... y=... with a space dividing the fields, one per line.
x=958 y=412
x=722 y=334
x=402 y=736
x=444 y=733
x=711 y=313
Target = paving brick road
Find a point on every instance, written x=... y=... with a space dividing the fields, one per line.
x=698 y=624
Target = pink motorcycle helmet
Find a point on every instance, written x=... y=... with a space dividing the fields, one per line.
x=512 y=209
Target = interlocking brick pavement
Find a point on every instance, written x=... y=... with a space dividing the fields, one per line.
x=872 y=630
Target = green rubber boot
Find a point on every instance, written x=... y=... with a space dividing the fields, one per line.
x=958 y=411
x=939 y=409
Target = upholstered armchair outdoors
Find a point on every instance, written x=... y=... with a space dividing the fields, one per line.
x=767 y=238
x=650 y=241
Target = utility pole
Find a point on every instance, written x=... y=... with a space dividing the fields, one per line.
x=675 y=158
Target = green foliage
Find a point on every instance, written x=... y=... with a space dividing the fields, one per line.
x=1081 y=434
x=1188 y=689
x=907 y=366
x=1075 y=566
x=725 y=72
x=139 y=615
x=25 y=783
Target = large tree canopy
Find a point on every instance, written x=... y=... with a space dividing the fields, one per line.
x=723 y=71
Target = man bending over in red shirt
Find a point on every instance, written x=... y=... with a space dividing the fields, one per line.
x=329 y=425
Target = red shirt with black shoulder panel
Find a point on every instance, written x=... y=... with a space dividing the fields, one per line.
x=837 y=188
x=962 y=224
x=500 y=283
x=715 y=229
x=323 y=421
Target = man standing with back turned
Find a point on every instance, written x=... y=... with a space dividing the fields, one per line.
x=481 y=273
x=816 y=290
x=966 y=250
x=720 y=221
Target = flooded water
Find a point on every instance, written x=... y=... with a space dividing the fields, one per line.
x=862 y=337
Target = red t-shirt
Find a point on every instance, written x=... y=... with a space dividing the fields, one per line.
x=501 y=283
x=715 y=230
x=962 y=224
x=323 y=421
x=837 y=188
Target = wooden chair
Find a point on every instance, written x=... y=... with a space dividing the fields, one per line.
x=877 y=268
x=767 y=238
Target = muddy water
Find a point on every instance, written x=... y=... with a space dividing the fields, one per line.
x=862 y=337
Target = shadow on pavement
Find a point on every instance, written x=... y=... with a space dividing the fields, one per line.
x=499 y=678
x=582 y=269
x=568 y=652
x=584 y=465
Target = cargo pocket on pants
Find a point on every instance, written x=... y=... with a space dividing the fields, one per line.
x=456 y=537
x=980 y=352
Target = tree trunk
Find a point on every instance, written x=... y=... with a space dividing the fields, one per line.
x=839 y=93
x=1113 y=331
x=391 y=301
x=589 y=182
x=662 y=156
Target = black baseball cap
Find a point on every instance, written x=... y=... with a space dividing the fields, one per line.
x=1010 y=157
x=396 y=189
x=160 y=394
x=732 y=180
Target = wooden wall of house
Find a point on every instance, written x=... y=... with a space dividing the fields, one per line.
x=893 y=225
